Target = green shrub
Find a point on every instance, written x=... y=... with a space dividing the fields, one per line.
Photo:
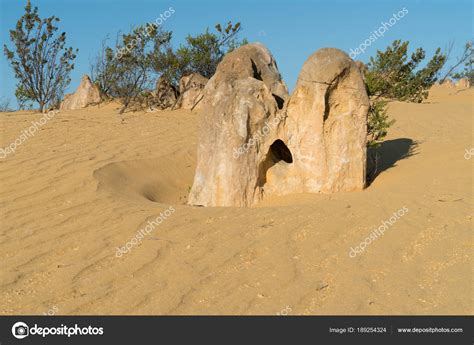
x=378 y=123
x=200 y=54
x=124 y=72
x=392 y=75
x=40 y=61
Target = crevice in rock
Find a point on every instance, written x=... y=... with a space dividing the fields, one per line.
x=280 y=101
x=326 y=104
x=315 y=82
x=332 y=86
x=256 y=73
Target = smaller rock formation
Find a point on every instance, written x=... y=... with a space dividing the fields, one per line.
x=86 y=94
x=166 y=94
x=191 y=89
x=448 y=83
x=463 y=83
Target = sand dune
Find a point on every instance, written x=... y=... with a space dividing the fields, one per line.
x=90 y=179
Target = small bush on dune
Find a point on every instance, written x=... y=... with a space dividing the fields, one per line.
x=124 y=71
x=378 y=124
x=102 y=72
x=391 y=75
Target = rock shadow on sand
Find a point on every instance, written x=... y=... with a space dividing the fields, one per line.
x=389 y=153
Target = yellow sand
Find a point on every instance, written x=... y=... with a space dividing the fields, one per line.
x=90 y=179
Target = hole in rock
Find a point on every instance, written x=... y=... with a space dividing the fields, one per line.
x=277 y=154
x=280 y=152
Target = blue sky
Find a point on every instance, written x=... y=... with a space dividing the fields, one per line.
x=292 y=30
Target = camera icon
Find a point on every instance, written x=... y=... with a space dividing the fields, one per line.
x=20 y=330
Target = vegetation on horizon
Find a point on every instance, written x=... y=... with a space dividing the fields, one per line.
x=466 y=60
x=123 y=72
x=5 y=105
x=126 y=70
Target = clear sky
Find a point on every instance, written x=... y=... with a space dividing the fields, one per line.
x=291 y=29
